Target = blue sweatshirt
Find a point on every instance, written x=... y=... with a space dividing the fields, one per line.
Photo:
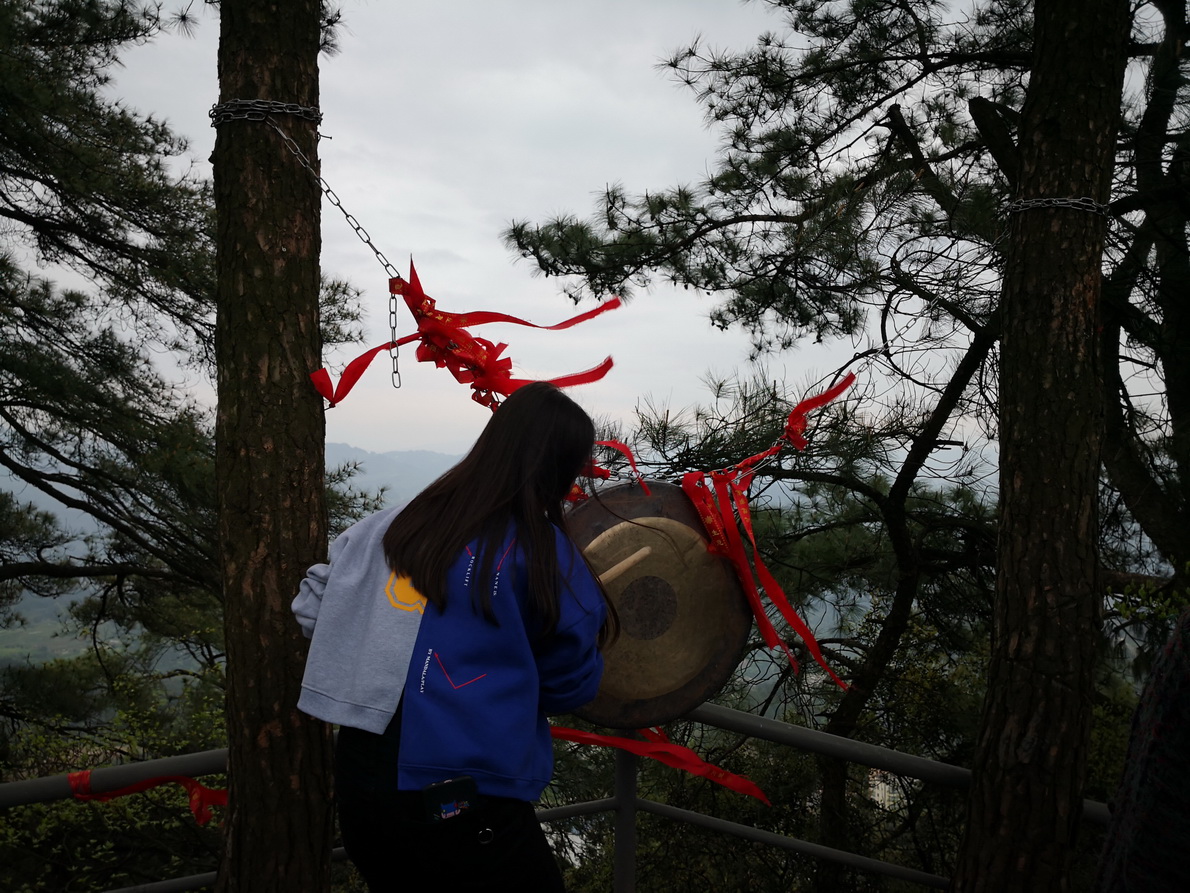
x=476 y=692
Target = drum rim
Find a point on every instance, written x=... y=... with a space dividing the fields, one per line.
x=628 y=501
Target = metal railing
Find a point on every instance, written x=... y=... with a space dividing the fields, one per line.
x=624 y=802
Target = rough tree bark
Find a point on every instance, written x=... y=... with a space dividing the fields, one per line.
x=1026 y=799
x=269 y=447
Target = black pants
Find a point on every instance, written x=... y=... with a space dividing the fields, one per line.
x=498 y=846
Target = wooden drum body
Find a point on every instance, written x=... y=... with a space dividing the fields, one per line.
x=684 y=620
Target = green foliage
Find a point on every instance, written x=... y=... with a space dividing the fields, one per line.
x=91 y=846
x=25 y=532
x=819 y=179
x=862 y=187
x=92 y=425
x=138 y=838
x=89 y=183
x=1153 y=606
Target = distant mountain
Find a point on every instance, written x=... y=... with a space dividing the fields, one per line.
x=403 y=472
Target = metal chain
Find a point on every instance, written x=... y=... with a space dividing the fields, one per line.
x=1078 y=204
x=258 y=110
x=261 y=110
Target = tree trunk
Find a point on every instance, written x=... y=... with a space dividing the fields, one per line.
x=1150 y=817
x=1026 y=798
x=269 y=447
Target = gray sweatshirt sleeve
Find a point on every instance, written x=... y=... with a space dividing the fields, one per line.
x=309 y=598
x=306 y=605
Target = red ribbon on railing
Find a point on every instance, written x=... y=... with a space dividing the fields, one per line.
x=202 y=798
x=658 y=746
x=444 y=341
x=720 y=497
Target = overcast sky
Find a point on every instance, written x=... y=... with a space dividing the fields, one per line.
x=448 y=120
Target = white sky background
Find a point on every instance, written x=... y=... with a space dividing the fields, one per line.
x=449 y=120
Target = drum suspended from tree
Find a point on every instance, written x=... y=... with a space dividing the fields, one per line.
x=684 y=619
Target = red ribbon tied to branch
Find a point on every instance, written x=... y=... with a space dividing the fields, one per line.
x=444 y=341
x=202 y=798
x=720 y=497
x=595 y=470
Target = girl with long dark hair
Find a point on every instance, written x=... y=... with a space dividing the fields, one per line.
x=442 y=634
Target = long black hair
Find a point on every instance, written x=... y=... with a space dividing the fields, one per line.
x=520 y=470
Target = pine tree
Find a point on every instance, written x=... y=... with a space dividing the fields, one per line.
x=869 y=160
x=270 y=446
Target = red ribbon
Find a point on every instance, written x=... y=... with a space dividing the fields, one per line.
x=202 y=798
x=658 y=747
x=720 y=497
x=594 y=470
x=445 y=342
x=624 y=450
x=796 y=422
x=334 y=393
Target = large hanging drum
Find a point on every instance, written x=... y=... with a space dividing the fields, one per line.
x=684 y=619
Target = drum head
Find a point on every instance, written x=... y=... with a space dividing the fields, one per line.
x=684 y=619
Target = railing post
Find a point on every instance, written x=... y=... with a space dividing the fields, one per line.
x=624 y=793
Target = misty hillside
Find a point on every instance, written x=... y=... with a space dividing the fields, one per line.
x=401 y=473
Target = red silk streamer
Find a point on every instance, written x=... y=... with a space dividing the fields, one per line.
x=626 y=452
x=202 y=798
x=796 y=424
x=593 y=470
x=477 y=361
x=444 y=341
x=720 y=497
x=335 y=393
x=659 y=747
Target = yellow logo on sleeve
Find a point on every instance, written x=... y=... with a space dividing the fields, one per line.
x=402 y=595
